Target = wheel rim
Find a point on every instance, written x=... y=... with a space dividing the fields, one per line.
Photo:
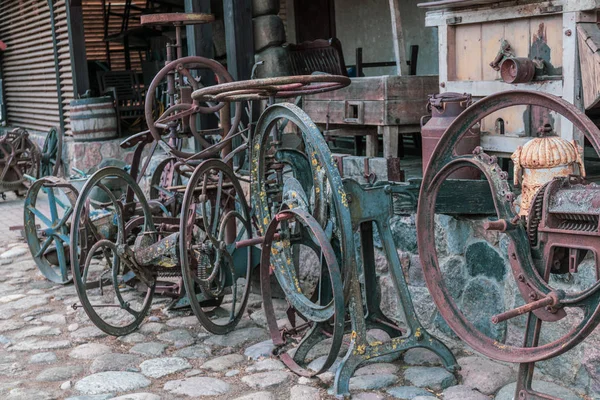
x=178 y=113
x=101 y=285
x=19 y=156
x=51 y=154
x=314 y=169
x=443 y=163
x=322 y=318
x=54 y=224
x=211 y=265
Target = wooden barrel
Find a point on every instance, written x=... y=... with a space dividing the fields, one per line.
x=93 y=119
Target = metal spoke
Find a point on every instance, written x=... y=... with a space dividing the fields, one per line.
x=44 y=247
x=62 y=262
x=41 y=216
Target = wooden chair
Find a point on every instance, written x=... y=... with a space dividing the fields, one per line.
x=317 y=56
x=126 y=92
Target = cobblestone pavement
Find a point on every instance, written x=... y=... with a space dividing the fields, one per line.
x=50 y=351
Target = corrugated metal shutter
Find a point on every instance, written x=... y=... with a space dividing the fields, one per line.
x=32 y=91
x=96 y=47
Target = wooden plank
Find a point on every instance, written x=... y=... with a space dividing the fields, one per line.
x=456 y=3
x=589 y=56
x=570 y=91
x=491 y=40
x=479 y=200
x=486 y=88
x=372 y=145
x=390 y=140
x=508 y=10
x=398 y=38
x=502 y=144
x=383 y=88
x=393 y=112
x=468 y=53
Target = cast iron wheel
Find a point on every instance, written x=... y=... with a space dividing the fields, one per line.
x=178 y=121
x=323 y=312
x=302 y=178
x=19 y=156
x=215 y=217
x=166 y=176
x=50 y=251
x=51 y=157
x=101 y=253
x=584 y=305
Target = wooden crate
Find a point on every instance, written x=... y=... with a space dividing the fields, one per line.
x=374 y=101
x=372 y=106
x=470 y=37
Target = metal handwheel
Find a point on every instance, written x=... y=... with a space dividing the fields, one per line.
x=19 y=156
x=163 y=185
x=545 y=301
x=280 y=87
x=215 y=216
x=304 y=178
x=47 y=228
x=178 y=121
x=102 y=264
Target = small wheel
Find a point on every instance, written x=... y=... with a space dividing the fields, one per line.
x=47 y=217
x=19 y=156
x=101 y=252
x=320 y=293
x=581 y=307
x=51 y=157
x=304 y=176
x=166 y=176
x=215 y=217
x=176 y=81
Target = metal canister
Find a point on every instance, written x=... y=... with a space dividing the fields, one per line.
x=444 y=108
x=517 y=70
x=542 y=159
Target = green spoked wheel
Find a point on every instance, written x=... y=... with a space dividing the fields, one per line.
x=302 y=177
x=215 y=216
x=51 y=157
x=103 y=262
x=47 y=219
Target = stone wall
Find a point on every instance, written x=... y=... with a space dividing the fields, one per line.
x=475 y=264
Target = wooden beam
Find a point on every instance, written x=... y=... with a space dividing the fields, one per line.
x=398 y=38
x=508 y=10
x=81 y=79
x=200 y=43
x=199 y=37
x=239 y=37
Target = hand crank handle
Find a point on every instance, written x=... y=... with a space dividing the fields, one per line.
x=550 y=300
x=254 y=241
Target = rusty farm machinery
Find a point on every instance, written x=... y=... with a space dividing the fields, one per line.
x=200 y=231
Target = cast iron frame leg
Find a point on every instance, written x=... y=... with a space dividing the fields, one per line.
x=523 y=390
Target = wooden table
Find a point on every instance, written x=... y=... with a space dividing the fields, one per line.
x=389 y=106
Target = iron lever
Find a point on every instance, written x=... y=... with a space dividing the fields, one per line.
x=549 y=301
